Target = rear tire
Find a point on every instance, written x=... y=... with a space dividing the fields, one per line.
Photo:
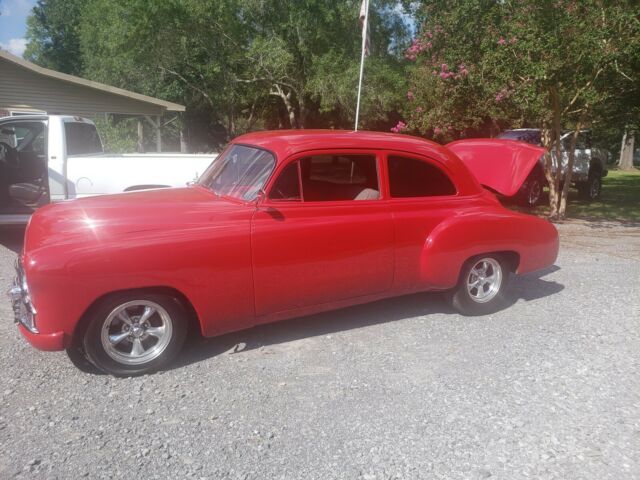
x=592 y=188
x=482 y=285
x=133 y=333
x=530 y=194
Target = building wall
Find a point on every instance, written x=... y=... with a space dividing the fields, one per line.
x=21 y=88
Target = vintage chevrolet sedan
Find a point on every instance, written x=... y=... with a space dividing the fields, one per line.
x=282 y=224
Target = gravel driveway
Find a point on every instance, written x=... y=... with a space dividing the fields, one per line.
x=405 y=388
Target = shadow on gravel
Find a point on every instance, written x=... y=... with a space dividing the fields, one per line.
x=12 y=238
x=527 y=287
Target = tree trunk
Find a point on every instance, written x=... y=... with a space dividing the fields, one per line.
x=303 y=112
x=286 y=99
x=570 y=160
x=626 y=150
x=547 y=143
x=553 y=157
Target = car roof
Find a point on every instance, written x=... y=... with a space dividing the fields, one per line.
x=285 y=143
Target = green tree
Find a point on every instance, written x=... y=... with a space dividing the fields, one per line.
x=53 y=35
x=483 y=65
x=239 y=65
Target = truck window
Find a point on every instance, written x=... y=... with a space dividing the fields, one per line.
x=82 y=138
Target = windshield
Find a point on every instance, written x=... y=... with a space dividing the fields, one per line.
x=240 y=172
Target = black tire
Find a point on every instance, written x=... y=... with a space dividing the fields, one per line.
x=592 y=188
x=466 y=302
x=118 y=338
x=530 y=194
x=80 y=360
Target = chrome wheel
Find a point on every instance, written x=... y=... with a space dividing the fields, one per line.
x=484 y=280
x=136 y=332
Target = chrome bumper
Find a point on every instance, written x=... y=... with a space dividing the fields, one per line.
x=23 y=310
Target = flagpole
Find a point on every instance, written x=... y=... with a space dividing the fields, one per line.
x=364 y=45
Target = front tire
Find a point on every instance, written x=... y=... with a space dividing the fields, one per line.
x=482 y=285
x=135 y=333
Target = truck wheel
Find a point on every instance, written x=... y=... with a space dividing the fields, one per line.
x=530 y=194
x=135 y=333
x=482 y=285
x=592 y=188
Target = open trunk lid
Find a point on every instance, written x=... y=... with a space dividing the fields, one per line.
x=501 y=165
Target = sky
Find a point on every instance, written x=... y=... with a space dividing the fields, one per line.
x=13 y=24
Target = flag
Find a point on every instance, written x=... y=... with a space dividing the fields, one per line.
x=364 y=24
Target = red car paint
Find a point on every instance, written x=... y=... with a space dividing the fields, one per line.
x=502 y=165
x=243 y=263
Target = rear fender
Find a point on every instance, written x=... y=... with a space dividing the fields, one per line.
x=454 y=241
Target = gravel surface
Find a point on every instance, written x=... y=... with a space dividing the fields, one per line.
x=405 y=388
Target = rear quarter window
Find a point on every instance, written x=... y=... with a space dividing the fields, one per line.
x=410 y=177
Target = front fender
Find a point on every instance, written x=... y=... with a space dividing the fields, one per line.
x=454 y=241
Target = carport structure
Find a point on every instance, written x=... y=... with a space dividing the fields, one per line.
x=26 y=87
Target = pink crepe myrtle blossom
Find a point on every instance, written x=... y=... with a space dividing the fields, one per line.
x=399 y=127
x=416 y=47
x=437 y=131
x=502 y=41
x=502 y=94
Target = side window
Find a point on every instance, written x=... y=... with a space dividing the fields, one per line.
x=287 y=185
x=339 y=177
x=82 y=139
x=409 y=177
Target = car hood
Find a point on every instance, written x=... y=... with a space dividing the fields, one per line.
x=501 y=165
x=137 y=215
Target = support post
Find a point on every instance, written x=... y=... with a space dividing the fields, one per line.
x=183 y=141
x=140 y=136
x=158 y=134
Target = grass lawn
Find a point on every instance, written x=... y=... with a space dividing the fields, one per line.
x=620 y=200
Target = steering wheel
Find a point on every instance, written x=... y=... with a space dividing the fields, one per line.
x=9 y=155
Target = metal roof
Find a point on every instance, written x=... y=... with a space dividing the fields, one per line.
x=49 y=90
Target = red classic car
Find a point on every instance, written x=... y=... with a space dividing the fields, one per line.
x=282 y=224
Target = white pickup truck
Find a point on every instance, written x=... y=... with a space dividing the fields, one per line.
x=48 y=158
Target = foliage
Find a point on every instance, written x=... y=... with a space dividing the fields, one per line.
x=53 y=35
x=117 y=136
x=482 y=65
x=236 y=64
